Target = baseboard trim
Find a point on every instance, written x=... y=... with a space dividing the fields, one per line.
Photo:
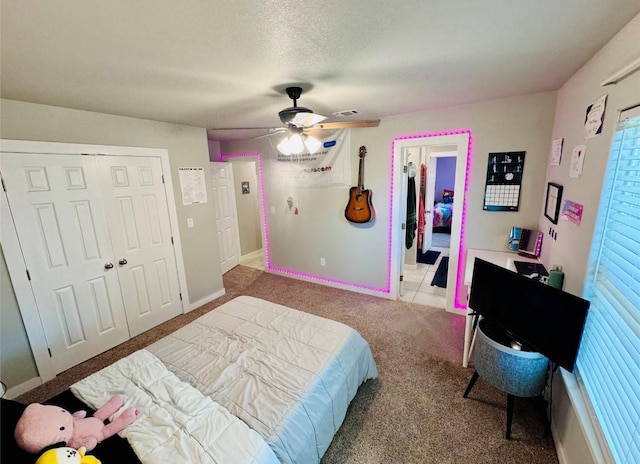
x=330 y=283
x=250 y=256
x=24 y=387
x=205 y=300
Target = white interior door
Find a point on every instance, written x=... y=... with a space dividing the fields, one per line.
x=226 y=216
x=136 y=205
x=56 y=208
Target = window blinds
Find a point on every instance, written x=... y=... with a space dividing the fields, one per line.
x=609 y=358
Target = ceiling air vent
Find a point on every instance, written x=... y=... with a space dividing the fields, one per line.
x=346 y=113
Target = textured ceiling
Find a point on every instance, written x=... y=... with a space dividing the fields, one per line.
x=218 y=64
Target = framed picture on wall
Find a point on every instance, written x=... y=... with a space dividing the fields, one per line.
x=552 y=202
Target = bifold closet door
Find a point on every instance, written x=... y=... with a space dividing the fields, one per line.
x=136 y=207
x=56 y=205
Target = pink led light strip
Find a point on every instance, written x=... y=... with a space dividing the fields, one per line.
x=460 y=300
x=460 y=296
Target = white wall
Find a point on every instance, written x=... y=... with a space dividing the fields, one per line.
x=571 y=249
x=187 y=146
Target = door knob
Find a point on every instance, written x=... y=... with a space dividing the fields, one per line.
x=108 y=266
x=122 y=262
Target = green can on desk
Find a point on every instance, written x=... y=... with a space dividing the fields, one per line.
x=556 y=277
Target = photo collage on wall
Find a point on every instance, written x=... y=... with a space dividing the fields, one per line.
x=504 y=180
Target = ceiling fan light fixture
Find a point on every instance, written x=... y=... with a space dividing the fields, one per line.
x=312 y=144
x=295 y=144
x=284 y=147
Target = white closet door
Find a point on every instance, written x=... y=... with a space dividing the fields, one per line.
x=224 y=200
x=56 y=207
x=136 y=207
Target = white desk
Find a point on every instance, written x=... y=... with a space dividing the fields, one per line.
x=500 y=258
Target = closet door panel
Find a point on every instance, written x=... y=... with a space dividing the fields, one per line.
x=136 y=206
x=57 y=211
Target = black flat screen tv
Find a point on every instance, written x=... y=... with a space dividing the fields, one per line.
x=540 y=317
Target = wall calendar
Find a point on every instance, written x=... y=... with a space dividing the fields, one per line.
x=504 y=180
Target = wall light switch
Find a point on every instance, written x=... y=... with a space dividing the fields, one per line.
x=189 y=222
x=273 y=210
x=322 y=262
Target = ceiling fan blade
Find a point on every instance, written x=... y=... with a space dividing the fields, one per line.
x=270 y=128
x=266 y=135
x=307 y=119
x=348 y=124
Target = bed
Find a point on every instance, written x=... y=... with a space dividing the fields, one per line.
x=442 y=215
x=249 y=382
x=443 y=211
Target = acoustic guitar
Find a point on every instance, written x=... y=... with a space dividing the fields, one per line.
x=360 y=209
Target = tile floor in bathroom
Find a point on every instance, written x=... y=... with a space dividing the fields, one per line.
x=417 y=281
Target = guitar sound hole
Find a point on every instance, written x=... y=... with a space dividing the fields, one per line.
x=358 y=196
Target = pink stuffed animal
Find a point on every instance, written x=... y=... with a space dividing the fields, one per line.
x=43 y=425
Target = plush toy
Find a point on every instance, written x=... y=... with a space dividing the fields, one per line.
x=66 y=455
x=41 y=426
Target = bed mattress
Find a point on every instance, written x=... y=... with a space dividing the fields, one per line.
x=288 y=375
x=177 y=422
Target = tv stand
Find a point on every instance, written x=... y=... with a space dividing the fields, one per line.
x=504 y=259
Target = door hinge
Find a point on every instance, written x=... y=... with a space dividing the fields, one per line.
x=28 y=275
x=3 y=186
x=180 y=296
x=171 y=240
x=404 y=226
x=49 y=350
x=405 y=169
x=162 y=178
x=401 y=278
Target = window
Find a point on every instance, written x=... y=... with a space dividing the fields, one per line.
x=609 y=358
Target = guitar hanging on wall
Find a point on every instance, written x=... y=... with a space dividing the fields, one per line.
x=360 y=209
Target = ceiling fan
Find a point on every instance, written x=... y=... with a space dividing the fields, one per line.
x=299 y=122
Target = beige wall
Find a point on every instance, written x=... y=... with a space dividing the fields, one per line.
x=573 y=242
x=359 y=253
x=571 y=249
x=187 y=146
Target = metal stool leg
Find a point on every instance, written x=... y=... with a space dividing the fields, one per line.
x=471 y=383
x=510 y=399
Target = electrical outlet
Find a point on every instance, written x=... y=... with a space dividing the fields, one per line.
x=322 y=262
x=189 y=222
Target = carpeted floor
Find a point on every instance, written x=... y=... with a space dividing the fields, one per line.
x=414 y=412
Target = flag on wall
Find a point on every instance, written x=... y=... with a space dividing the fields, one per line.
x=329 y=167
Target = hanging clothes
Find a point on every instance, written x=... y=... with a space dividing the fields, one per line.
x=412 y=223
x=421 y=219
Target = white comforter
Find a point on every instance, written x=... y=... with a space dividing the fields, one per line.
x=178 y=424
x=288 y=374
